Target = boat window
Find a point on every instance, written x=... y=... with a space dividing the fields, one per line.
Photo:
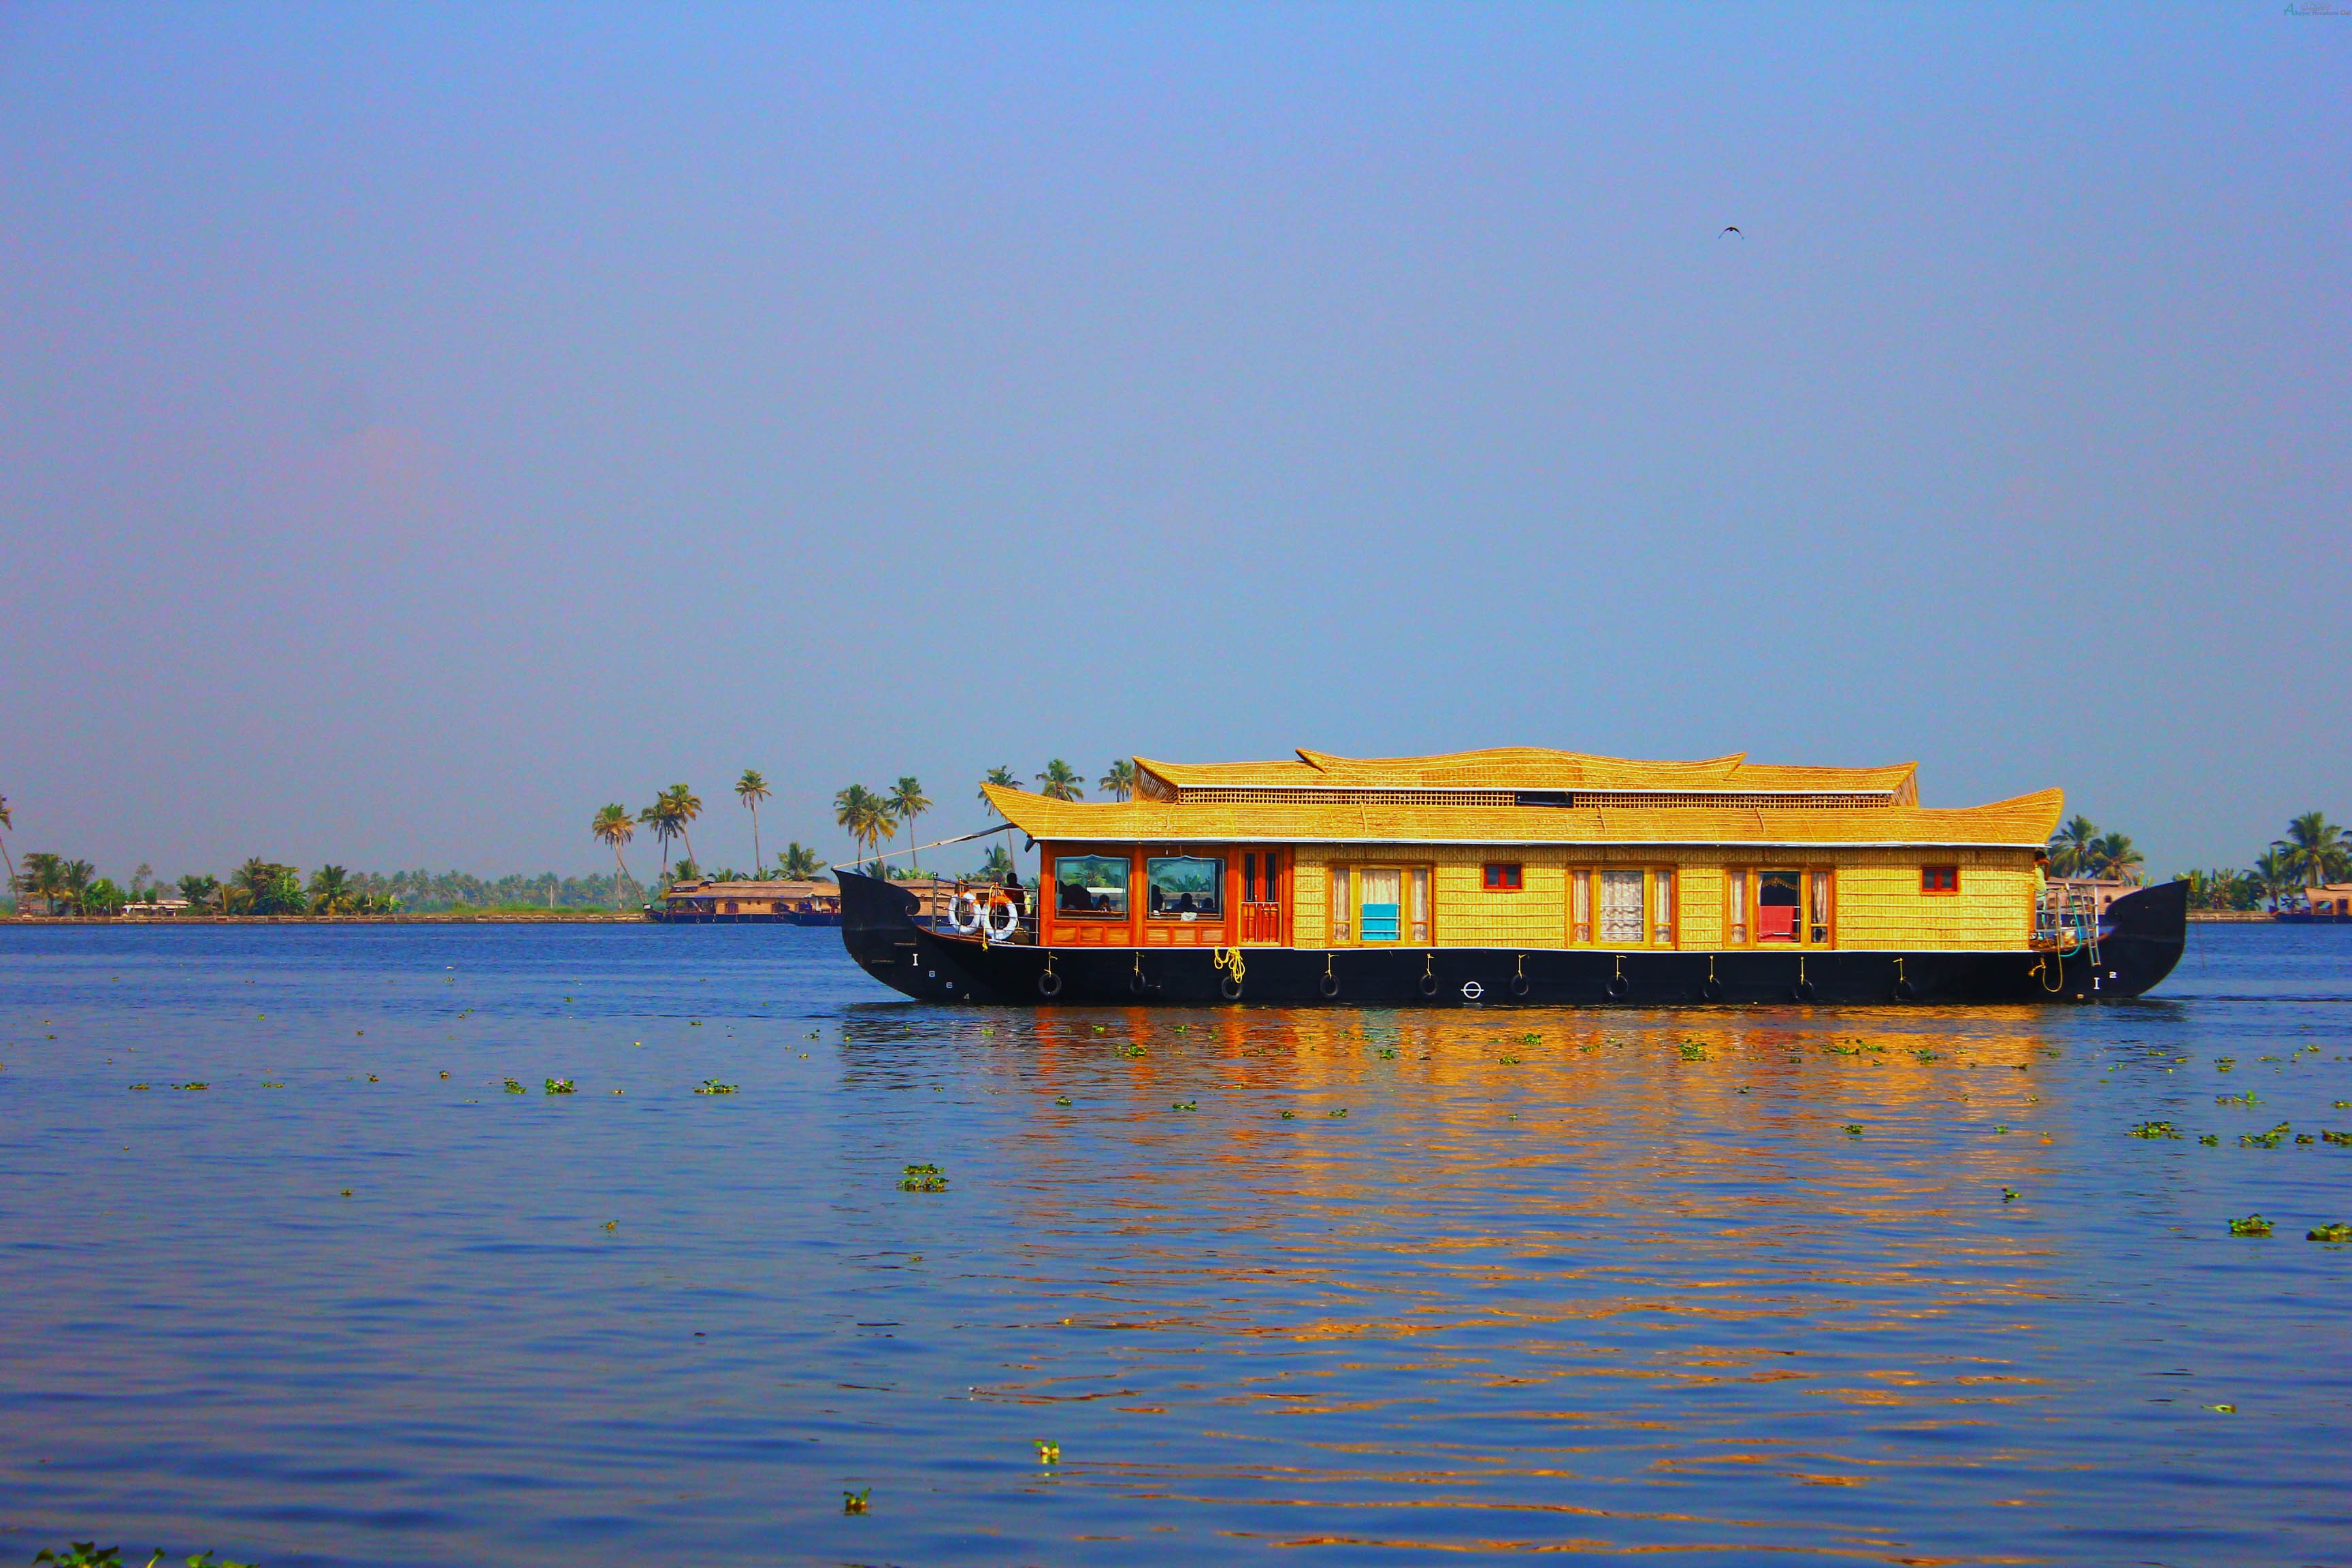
x=1778 y=896
x=1184 y=887
x=1819 y=935
x=1249 y=879
x=1090 y=885
x=1383 y=903
x=1621 y=908
x=1939 y=878
x=1417 y=910
x=1662 y=911
x=1735 y=906
x=1580 y=906
x=1504 y=877
x=1270 y=896
x=1341 y=905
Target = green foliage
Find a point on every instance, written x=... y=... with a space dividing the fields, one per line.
x=1061 y=781
x=1118 y=781
x=798 y=863
x=2156 y=1129
x=559 y=1086
x=923 y=1178
x=2315 y=851
x=712 y=1085
x=2253 y=1225
x=2328 y=1233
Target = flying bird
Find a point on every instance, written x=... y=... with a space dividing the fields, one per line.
x=1731 y=228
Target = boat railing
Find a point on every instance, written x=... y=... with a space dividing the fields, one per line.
x=943 y=916
x=2065 y=919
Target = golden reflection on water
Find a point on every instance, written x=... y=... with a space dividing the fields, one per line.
x=1569 y=1224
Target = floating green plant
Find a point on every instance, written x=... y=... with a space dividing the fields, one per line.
x=2224 y=1064
x=1290 y=1116
x=924 y=1178
x=858 y=1501
x=2328 y=1233
x=1184 y=1105
x=2341 y=1104
x=1129 y=1048
x=2246 y=1098
x=2221 y=1409
x=1102 y=1028
x=1048 y=1453
x=2253 y=1225
x=138 y=1086
x=514 y=1085
x=1388 y=1055
x=2269 y=1140
x=1335 y=1115
x=559 y=1086
x=712 y=1085
x=1692 y=1051
x=1925 y=1056
x=1061 y=1099
x=90 y=1554
x=1531 y=1039
x=1508 y=1061
x=2210 y=1138
x=610 y=1225
x=2156 y=1129
x=2009 y=1194
x=197 y=1084
x=2003 y=1127
x=267 y=1084
x=2343 y=1139
x=1852 y=1129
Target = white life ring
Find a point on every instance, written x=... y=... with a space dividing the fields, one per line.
x=967 y=914
x=1012 y=914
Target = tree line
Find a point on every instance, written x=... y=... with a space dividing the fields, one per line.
x=2313 y=852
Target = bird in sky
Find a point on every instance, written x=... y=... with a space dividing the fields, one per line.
x=1731 y=228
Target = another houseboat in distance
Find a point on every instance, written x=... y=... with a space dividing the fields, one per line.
x=1521 y=875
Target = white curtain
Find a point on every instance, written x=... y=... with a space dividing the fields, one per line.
x=1620 y=907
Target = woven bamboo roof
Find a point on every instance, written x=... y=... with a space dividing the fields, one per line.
x=2026 y=821
x=1529 y=768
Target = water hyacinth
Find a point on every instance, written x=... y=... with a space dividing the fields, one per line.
x=712 y=1085
x=2253 y=1225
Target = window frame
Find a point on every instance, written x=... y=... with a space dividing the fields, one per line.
x=1928 y=889
x=1126 y=863
x=1200 y=917
x=1503 y=877
x=1414 y=878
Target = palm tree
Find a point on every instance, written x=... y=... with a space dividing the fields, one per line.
x=7 y=825
x=685 y=806
x=1119 y=783
x=2273 y=876
x=2112 y=855
x=612 y=828
x=2315 y=850
x=44 y=879
x=1061 y=780
x=331 y=891
x=864 y=815
x=799 y=864
x=1002 y=779
x=909 y=802
x=752 y=789
x=662 y=817
x=73 y=884
x=998 y=864
x=2070 y=847
x=199 y=889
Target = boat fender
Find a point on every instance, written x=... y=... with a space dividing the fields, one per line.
x=1049 y=984
x=1329 y=985
x=1712 y=990
x=1429 y=986
x=1136 y=983
x=967 y=914
x=1803 y=991
x=1011 y=921
x=1619 y=986
x=1520 y=987
x=1905 y=992
x=1231 y=988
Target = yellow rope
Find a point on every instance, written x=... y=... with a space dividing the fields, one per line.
x=1229 y=959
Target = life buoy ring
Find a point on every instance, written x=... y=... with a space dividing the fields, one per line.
x=1230 y=988
x=1619 y=987
x=967 y=914
x=1429 y=986
x=1328 y=984
x=1011 y=921
x=1520 y=987
x=1136 y=983
x=1049 y=984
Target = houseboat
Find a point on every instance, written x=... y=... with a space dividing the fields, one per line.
x=1521 y=877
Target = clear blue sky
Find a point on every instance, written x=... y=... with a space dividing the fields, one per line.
x=420 y=426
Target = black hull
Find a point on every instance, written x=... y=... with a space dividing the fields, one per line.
x=2139 y=942
x=790 y=918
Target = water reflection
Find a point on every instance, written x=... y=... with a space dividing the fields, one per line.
x=1884 y=1286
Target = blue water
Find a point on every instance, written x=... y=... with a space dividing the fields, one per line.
x=1635 y=1291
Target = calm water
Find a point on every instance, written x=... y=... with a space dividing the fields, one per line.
x=1636 y=1290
